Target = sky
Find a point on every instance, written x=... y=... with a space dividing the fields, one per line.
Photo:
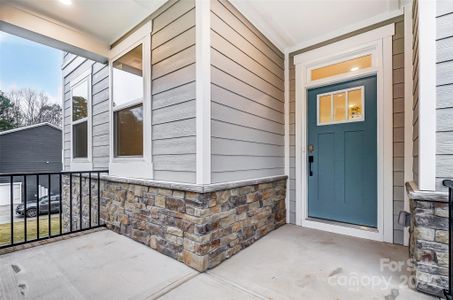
x=26 y=64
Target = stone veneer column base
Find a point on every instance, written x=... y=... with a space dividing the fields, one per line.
x=198 y=228
x=428 y=245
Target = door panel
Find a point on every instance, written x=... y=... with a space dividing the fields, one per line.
x=343 y=185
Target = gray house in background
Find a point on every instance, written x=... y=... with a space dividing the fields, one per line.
x=35 y=148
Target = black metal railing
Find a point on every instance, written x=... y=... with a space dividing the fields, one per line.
x=48 y=204
x=449 y=293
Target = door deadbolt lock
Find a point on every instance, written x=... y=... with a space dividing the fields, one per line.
x=311 y=148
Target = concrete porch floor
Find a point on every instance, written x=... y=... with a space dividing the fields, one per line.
x=289 y=263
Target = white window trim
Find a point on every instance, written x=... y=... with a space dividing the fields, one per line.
x=134 y=167
x=379 y=43
x=82 y=164
x=427 y=95
x=287 y=139
x=346 y=112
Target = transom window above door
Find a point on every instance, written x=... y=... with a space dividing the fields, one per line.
x=342 y=67
x=341 y=106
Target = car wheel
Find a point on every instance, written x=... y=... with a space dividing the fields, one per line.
x=31 y=212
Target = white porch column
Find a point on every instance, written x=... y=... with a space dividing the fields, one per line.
x=203 y=90
x=427 y=94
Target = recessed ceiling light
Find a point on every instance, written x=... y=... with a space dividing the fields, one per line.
x=66 y=2
x=354 y=69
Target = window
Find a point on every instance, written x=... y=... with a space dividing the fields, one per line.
x=130 y=95
x=80 y=107
x=341 y=106
x=129 y=131
x=350 y=65
x=127 y=96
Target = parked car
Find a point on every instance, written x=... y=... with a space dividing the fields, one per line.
x=32 y=210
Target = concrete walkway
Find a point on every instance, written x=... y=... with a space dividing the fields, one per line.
x=289 y=263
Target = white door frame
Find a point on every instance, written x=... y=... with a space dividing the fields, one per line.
x=378 y=43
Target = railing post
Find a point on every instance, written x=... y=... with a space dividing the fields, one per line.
x=448 y=293
x=11 y=184
x=37 y=206
x=49 y=186
x=61 y=203
x=25 y=208
x=89 y=199
x=70 y=202
x=80 y=202
x=99 y=198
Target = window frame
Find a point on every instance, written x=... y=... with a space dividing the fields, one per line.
x=82 y=163
x=133 y=166
x=346 y=91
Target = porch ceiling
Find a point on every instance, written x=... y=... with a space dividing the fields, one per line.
x=294 y=24
x=105 y=20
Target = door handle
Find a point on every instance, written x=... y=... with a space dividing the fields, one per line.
x=310 y=162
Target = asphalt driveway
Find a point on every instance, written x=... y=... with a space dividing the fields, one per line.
x=5 y=215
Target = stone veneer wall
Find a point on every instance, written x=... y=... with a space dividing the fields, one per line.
x=71 y=210
x=428 y=245
x=198 y=229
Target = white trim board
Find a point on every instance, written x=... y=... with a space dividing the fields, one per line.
x=287 y=139
x=377 y=42
x=203 y=91
x=427 y=95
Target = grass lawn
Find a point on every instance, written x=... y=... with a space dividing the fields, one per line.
x=5 y=229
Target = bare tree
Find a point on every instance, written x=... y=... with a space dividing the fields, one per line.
x=52 y=114
x=35 y=107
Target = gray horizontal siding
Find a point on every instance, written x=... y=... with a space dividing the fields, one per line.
x=173 y=96
x=173 y=27
x=36 y=149
x=444 y=105
x=247 y=102
x=398 y=129
x=72 y=68
x=173 y=93
x=101 y=117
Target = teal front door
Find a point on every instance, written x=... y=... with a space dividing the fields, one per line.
x=342 y=152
